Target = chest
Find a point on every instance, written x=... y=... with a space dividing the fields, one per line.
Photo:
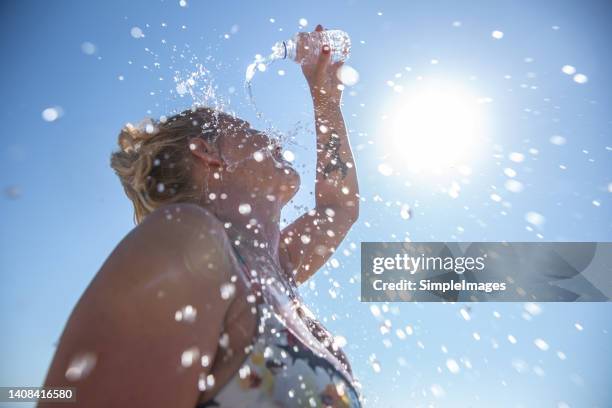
x=272 y=286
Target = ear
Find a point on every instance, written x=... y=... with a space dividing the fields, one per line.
x=205 y=152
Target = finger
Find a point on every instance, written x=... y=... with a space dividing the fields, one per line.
x=319 y=27
x=322 y=64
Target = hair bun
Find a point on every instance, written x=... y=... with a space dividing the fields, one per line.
x=130 y=139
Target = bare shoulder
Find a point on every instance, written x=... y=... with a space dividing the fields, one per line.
x=154 y=306
x=181 y=237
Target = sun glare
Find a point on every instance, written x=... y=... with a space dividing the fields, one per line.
x=433 y=128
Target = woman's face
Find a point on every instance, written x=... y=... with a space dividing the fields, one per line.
x=254 y=161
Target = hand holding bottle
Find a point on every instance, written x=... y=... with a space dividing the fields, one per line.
x=322 y=77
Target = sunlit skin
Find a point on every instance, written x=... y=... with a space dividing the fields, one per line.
x=182 y=254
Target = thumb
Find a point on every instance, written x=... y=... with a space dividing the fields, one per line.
x=322 y=64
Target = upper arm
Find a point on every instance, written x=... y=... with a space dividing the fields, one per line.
x=126 y=326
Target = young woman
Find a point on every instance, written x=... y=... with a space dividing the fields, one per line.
x=198 y=306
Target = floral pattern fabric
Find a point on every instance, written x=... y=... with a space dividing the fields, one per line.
x=281 y=371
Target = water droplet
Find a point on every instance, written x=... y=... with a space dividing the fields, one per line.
x=202 y=382
x=186 y=314
x=227 y=290
x=498 y=35
x=348 y=75
x=303 y=22
x=375 y=310
x=339 y=341
x=244 y=371
x=452 y=366
x=244 y=208
x=406 y=212
x=513 y=186
x=534 y=218
x=568 y=70
x=541 y=344
x=511 y=339
x=224 y=340
x=578 y=327
x=136 y=32
x=437 y=391
x=532 y=308
x=288 y=155
x=189 y=356
x=581 y=79
x=80 y=366
x=516 y=157
x=509 y=172
x=88 y=48
x=183 y=3
x=557 y=140
x=258 y=156
x=305 y=239
x=210 y=380
x=519 y=365
x=385 y=169
x=454 y=190
x=376 y=366
x=52 y=114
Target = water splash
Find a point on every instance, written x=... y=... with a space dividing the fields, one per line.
x=261 y=64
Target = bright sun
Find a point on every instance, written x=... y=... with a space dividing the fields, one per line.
x=433 y=127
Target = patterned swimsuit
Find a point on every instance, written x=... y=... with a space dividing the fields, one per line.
x=282 y=371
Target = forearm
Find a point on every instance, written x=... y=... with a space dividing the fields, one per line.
x=336 y=179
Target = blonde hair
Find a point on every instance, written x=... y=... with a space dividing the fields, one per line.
x=154 y=162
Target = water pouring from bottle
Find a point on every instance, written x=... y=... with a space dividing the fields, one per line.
x=303 y=48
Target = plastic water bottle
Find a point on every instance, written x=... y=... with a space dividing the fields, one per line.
x=304 y=48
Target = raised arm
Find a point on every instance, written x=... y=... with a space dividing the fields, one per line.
x=124 y=344
x=308 y=242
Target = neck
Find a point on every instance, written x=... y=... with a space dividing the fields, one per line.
x=251 y=225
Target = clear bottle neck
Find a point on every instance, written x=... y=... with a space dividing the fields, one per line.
x=285 y=49
x=290 y=49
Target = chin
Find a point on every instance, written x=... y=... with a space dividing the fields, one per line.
x=289 y=185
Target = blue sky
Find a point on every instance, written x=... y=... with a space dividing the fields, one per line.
x=64 y=210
